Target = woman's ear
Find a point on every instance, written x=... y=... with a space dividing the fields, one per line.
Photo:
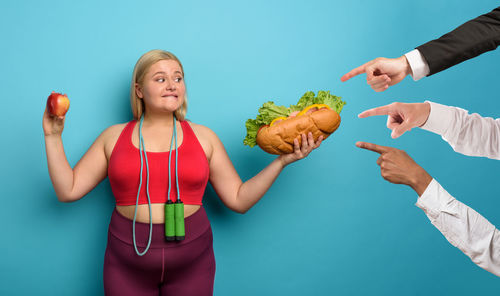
x=138 y=91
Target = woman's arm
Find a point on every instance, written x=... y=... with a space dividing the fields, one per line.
x=241 y=196
x=72 y=184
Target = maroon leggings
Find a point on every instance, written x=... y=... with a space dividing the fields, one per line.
x=168 y=268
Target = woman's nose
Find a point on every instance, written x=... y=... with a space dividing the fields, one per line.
x=170 y=85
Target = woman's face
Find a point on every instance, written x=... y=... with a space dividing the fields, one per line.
x=163 y=88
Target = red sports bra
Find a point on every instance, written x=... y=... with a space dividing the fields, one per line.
x=125 y=165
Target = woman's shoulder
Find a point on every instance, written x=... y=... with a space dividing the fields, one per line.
x=110 y=136
x=112 y=133
x=207 y=138
x=201 y=130
x=114 y=129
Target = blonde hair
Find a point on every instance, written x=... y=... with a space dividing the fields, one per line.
x=141 y=68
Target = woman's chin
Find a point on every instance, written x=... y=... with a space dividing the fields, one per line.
x=170 y=107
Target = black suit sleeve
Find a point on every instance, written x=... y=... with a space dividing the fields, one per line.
x=471 y=39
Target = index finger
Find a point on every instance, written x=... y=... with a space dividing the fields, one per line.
x=372 y=147
x=382 y=110
x=353 y=72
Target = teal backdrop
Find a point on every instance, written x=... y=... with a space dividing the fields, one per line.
x=330 y=225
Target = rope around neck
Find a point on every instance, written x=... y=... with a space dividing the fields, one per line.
x=174 y=137
x=141 y=149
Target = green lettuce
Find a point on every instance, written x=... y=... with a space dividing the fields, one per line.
x=269 y=111
x=324 y=97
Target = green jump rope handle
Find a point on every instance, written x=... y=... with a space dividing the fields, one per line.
x=180 y=233
x=169 y=221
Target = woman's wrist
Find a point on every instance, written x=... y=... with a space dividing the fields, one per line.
x=281 y=161
x=53 y=137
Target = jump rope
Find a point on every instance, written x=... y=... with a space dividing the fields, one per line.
x=174 y=212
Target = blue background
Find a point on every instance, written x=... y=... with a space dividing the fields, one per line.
x=330 y=225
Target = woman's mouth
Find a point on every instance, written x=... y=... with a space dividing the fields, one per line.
x=170 y=96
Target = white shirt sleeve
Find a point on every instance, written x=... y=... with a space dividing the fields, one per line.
x=463 y=227
x=469 y=134
x=418 y=64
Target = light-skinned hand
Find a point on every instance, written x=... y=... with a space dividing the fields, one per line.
x=382 y=72
x=52 y=125
x=401 y=117
x=301 y=150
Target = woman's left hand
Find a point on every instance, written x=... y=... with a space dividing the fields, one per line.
x=300 y=151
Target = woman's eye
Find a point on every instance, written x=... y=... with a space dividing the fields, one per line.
x=178 y=79
x=160 y=79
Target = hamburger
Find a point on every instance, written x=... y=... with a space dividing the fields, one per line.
x=275 y=127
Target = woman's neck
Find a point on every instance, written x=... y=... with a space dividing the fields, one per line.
x=163 y=119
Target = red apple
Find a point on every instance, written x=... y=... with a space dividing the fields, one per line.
x=57 y=104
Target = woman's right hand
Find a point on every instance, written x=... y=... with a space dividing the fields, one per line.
x=52 y=125
x=300 y=151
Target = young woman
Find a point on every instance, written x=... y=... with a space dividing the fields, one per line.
x=136 y=157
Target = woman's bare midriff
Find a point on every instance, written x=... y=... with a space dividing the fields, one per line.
x=157 y=210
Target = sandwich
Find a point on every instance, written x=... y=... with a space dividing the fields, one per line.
x=275 y=127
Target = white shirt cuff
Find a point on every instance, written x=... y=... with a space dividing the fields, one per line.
x=440 y=118
x=429 y=201
x=418 y=64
